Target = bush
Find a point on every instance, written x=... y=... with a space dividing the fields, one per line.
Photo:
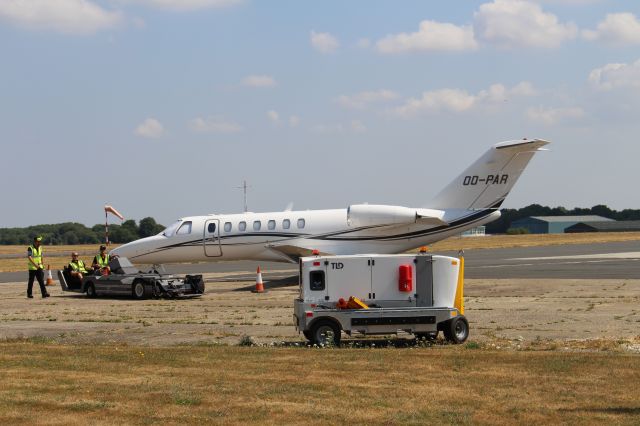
x=517 y=231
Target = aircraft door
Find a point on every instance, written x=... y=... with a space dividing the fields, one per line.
x=211 y=238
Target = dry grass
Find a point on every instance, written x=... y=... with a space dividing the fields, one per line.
x=66 y=384
x=58 y=256
x=532 y=240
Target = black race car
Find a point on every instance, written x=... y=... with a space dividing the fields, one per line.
x=127 y=280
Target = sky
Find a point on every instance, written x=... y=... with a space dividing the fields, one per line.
x=163 y=107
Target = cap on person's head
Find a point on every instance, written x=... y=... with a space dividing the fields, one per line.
x=38 y=238
x=103 y=247
x=74 y=254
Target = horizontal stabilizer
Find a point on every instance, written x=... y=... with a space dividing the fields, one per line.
x=431 y=217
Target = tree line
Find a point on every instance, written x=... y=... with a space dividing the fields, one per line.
x=503 y=225
x=69 y=233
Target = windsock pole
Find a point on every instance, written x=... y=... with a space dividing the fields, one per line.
x=106 y=227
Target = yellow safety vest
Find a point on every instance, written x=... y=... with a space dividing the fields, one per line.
x=79 y=267
x=103 y=263
x=36 y=255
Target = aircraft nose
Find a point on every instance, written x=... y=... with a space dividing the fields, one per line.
x=125 y=250
x=137 y=250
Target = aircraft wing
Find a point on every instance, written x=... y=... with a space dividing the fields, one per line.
x=292 y=252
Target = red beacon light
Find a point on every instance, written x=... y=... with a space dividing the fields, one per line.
x=315 y=252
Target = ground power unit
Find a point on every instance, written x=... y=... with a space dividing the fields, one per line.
x=381 y=294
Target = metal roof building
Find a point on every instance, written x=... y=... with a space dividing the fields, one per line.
x=608 y=226
x=554 y=224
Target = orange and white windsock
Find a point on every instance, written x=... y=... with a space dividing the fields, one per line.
x=109 y=209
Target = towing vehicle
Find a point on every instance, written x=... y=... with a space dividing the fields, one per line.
x=419 y=294
x=127 y=280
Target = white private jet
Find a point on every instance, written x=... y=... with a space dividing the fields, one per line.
x=472 y=199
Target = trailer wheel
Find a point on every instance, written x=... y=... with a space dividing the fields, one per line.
x=308 y=335
x=91 y=290
x=456 y=330
x=321 y=333
x=140 y=290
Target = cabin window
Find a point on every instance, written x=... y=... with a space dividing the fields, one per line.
x=211 y=228
x=286 y=224
x=300 y=223
x=184 y=229
x=271 y=225
x=316 y=280
x=227 y=227
x=242 y=226
x=257 y=225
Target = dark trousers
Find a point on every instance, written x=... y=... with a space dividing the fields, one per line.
x=39 y=274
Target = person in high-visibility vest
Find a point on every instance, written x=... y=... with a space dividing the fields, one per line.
x=101 y=261
x=36 y=267
x=77 y=268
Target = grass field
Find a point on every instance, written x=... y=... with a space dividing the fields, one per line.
x=12 y=260
x=67 y=384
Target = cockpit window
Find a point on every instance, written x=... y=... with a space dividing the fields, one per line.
x=169 y=230
x=184 y=229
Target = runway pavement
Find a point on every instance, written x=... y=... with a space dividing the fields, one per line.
x=607 y=260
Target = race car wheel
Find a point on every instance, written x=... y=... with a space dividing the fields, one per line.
x=91 y=290
x=139 y=290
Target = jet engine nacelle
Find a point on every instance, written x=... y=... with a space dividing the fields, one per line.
x=359 y=215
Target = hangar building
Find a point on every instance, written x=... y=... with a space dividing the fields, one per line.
x=607 y=226
x=554 y=224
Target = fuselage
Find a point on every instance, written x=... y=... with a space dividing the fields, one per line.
x=471 y=199
x=258 y=236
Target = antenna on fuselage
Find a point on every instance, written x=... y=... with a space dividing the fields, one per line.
x=244 y=188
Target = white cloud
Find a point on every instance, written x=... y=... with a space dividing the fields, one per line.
x=458 y=101
x=273 y=116
x=259 y=81
x=294 y=120
x=64 y=16
x=363 y=43
x=430 y=36
x=519 y=23
x=617 y=29
x=185 y=5
x=613 y=76
x=363 y=99
x=324 y=42
x=569 y=2
x=150 y=128
x=549 y=116
x=213 y=125
x=524 y=88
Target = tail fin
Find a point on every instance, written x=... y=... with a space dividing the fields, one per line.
x=486 y=183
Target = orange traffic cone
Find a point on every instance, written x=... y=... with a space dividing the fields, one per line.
x=49 y=277
x=259 y=284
